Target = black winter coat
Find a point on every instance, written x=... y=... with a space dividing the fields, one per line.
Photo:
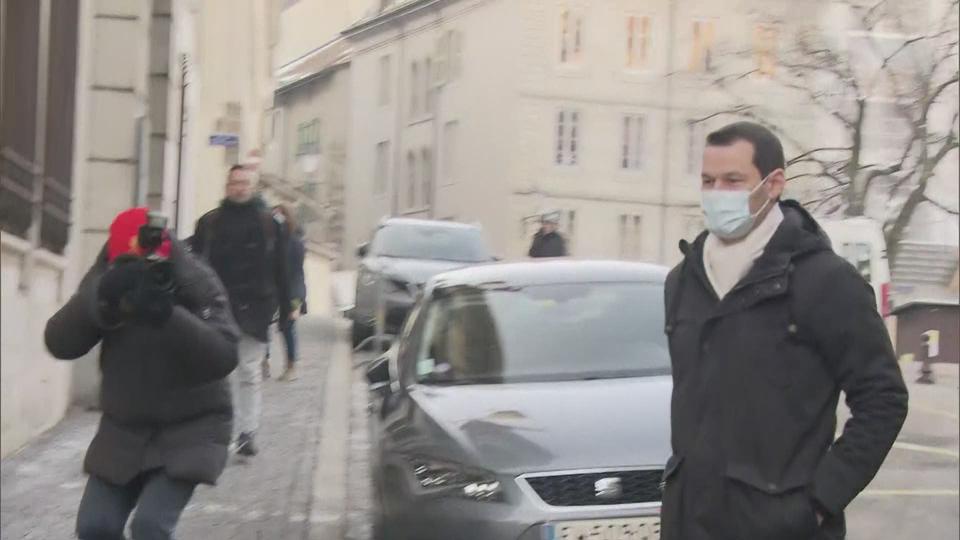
x=164 y=394
x=247 y=249
x=548 y=245
x=757 y=377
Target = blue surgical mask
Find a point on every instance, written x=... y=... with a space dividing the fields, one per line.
x=727 y=212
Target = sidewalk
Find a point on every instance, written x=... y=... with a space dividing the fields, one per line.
x=271 y=497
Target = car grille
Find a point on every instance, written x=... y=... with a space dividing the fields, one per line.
x=636 y=487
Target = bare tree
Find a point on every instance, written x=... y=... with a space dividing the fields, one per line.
x=892 y=68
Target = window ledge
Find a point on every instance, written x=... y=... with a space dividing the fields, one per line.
x=22 y=247
x=420 y=119
x=415 y=211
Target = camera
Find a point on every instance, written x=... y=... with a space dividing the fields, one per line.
x=151 y=235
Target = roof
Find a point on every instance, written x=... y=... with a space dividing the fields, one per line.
x=317 y=62
x=396 y=8
x=552 y=271
x=427 y=223
x=925 y=302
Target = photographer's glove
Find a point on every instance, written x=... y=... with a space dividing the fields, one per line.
x=154 y=298
x=116 y=286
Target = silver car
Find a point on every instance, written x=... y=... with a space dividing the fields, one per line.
x=525 y=401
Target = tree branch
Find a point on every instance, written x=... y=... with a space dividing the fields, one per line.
x=941 y=206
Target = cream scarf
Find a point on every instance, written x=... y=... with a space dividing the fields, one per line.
x=727 y=264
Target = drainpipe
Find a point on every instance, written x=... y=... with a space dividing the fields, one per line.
x=668 y=130
x=141 y=178
x=183 y=98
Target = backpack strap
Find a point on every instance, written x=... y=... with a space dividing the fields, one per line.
x=209 y=228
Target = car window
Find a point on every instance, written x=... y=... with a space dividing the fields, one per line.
x=543 y=333
x=431 y=243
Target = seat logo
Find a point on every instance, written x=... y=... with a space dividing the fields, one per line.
x=608 y=488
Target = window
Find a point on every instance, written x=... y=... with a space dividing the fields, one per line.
x=696 y=139
x=455 y=49
x=308 y=138
x=765 y=49
x=542 y=333
x=426 y=166
x=381 y=168
x=701 y=55
x=411 y=180
x=631 y=242
x=451 y=132
x=385 y=76
x=414 y=89
x=21 y=213
x=633 y=136
x=571 y=37
x=638 y=42
x=568 y=125
x=428 y=86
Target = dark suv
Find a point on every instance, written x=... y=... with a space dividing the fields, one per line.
x=402 y=256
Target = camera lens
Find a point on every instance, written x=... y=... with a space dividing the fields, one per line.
x=161 y=274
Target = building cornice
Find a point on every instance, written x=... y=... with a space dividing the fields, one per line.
x=388 y=16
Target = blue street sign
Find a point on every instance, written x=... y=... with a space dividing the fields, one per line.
x=224 y=139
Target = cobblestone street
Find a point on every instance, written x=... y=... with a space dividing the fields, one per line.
x=270 y=497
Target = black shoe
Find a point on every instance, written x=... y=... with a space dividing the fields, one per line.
x=245 y=445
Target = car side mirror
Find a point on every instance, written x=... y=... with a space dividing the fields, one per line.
x=363 y=249
x=378 y=375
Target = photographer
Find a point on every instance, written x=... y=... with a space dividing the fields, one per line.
x=168 y=342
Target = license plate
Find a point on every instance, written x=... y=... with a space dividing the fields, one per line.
x=604 y=529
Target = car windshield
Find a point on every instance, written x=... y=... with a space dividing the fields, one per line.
x=543 y=333
x=432 y=243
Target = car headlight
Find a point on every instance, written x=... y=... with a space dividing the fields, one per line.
x=453 y=479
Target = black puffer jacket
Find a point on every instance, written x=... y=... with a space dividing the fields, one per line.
x=166 y=402
x=247 y=249
x=547 y=245
x=757 y=377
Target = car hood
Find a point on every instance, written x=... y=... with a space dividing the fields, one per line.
x=418 y=271
x=521 y=428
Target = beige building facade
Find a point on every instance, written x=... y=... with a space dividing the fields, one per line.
x=491 y=111
x=100 y=128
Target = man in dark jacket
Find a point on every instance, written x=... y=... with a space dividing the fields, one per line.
x=766 y=326
x=548 y=242
x=168 y=342
x=246 y=247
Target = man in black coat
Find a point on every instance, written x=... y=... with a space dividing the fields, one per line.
x=548 y=242
x=247 y=249
x=766 y=326
x=168 y=342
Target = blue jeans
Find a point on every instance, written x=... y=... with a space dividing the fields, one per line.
x=159 y=500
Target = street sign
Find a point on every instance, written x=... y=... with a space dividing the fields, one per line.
x=224 y=139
